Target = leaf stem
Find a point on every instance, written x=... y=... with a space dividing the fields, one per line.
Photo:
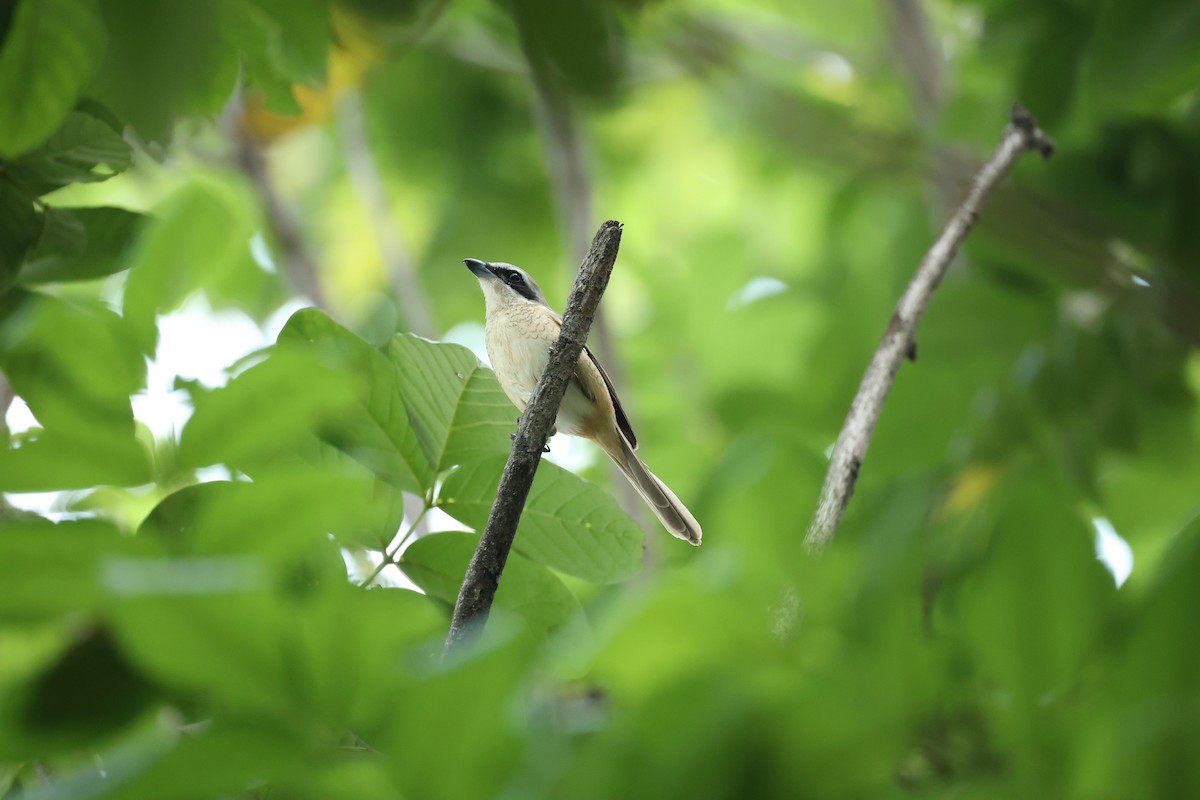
x=390 y=557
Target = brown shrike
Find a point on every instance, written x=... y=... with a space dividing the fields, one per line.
x=520 y=329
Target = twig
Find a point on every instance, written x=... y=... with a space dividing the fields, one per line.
x=1021 y=135
x=298 y=265
x=483 y=574
x=388 y=557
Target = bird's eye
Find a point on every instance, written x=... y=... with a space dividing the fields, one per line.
x=513 y=278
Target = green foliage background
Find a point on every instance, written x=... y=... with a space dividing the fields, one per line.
x=780 y=169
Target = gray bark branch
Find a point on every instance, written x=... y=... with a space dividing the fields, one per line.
x=483 y=573
x=899 y=340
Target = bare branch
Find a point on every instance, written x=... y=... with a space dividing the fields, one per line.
x=483 y=574
x=899 y=340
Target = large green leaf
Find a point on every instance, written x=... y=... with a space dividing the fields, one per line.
x=73 y=457
x=201 y=236
x=437 y=563
x=164 y=60
x=292 y=659
x=282 y=513
x=282 y=43
x=54 y=569
x=1144 y=54
x=568 y=523
x=379 y=434
x=80 y=244
x=90 y=693
x=73 y=154
x=46 y=61
x=266 y=409
x=20 y=227
x=75 y=365
x=455 y=405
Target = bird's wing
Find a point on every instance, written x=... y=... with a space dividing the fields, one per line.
x=622 y=420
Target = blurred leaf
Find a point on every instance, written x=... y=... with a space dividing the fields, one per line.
x=568 y=523
x=284 y=511
x=468 y=700
x=282 y=43
x=163 y=60
x=237 y=647
x=54 y=569
x=268 y=408
x=1033 y=609
x=81 y=244
x=221 y=759
x=89 y=694
x=1144 y=731
x=1144 y=54
x=578 y=42
x=75 y=366
x=45 y=63
x=71 y=155
x=200 y=237
x=73 y=457
x=20 y=227
x=1030 y=615
x=437 y=563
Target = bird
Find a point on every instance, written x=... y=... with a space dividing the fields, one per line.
x=520 y=328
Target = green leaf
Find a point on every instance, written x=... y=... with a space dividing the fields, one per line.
x=568 y=523
x=81 y=244
x=164 y=60
x=75 y=365
x=455 y=405
x=51 y=570
x=90 y=693
x=291 y=659
x=437 y=563
x=20 y=227
x=1144 y=55
x=73 y=457
x=282 y=513
x=1032 y=610
x=223 y=759
x=72 y=154
x=46 y=61
x=268 y=409
x=282 y=43
x=201 y=236
x=378 y=435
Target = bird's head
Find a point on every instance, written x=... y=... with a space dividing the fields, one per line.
x=504 y=284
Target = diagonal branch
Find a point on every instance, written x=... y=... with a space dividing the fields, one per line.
x=483 y=574
x=899 y=340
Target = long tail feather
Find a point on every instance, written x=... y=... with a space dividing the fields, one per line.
x=662 y=501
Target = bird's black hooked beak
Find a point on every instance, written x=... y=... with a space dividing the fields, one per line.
x=478 y=268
